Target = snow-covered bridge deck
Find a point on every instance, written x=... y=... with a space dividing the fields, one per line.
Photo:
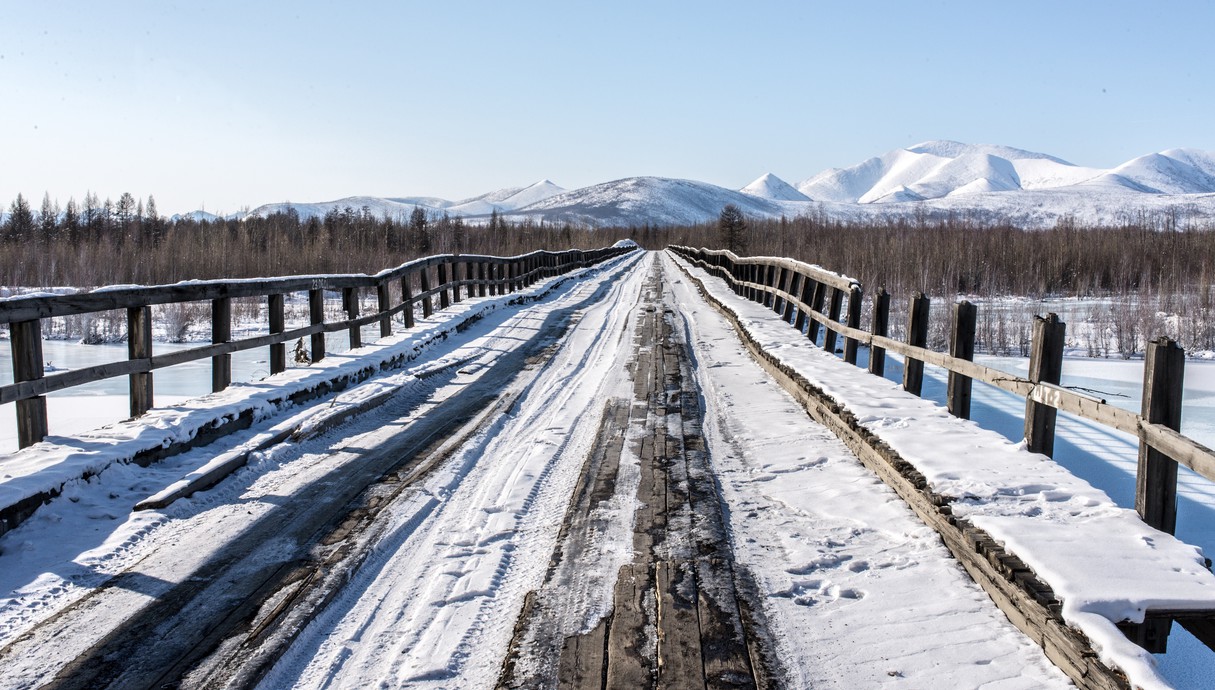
x=597 y=487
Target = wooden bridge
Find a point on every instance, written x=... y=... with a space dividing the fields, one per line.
x=681 y=614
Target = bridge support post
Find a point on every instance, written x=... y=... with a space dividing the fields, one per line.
x=880 y=326
x=427 y=305
x=384 y=303
x=139 y=346
x=961 y=346
x=444 y=298
x=793 y=286
x=351 y=297
x=816 y=305
x=27 y=366
x=1045 y=366
x=407 y=300
x=833 y=313
x=275 y=306
x=917 y=336
x=221 y=332
x=316 y=315
x=854 y=321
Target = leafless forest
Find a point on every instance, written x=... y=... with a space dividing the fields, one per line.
x=1124 y=284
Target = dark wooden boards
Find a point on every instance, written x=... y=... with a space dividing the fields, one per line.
x=676 y=620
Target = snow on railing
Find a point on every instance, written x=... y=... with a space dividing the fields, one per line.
x=419 y=282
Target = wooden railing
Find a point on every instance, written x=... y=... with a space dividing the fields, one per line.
x=418 y=284
x=794 y=290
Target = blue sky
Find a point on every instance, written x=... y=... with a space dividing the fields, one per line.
x=230 y=105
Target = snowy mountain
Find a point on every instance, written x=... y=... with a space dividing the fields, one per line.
x=641 y=200
x=983 y=183
x=770 y=186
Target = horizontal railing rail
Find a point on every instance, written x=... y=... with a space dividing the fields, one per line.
x=1158 y=435
x=472 y=274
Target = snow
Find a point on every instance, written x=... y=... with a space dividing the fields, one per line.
x=487 y=525
x=841 y=562
x=932 y=180
x=1103 y=562
x=769 y=186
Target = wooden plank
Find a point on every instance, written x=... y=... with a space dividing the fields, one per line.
x=917 y=336
x=139 y=347
x=221 y=332
x=880 y=327
x=276 y=309
x=26 y=346
x=679 y=662
x=723 y=648
x=961 y=346
x=583 y=660
x=627 y=665
x=1045 y=366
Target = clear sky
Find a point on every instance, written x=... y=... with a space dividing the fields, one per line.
x=226 y=105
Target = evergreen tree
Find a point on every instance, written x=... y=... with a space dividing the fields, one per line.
x=48 y=217
x=20 y=225
x=732 y=229
x=419 y=232
x=71 y=221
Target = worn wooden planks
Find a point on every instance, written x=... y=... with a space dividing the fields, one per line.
x=676 y=621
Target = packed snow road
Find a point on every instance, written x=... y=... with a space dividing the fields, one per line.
x=600 y=488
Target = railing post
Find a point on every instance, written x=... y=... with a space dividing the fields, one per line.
x=854 y=321
x=221 y=332
x=455 y=279
x=407 y=300
x=778 y=302
x=427 y=305
x=816 y=305
x=1156 y=480
x=961 y=346
x=795 y=284
x=28 y=366
x=351 y=297
x=276 y=308
x=805 y=292
x=917 y=336
x=384 y=303
x=880 y=326
x=139 y=346
x=837 y=305
x=1045 y=366
x=482 y=276
x=769 y=281
x=444 y=298
x=316 y=316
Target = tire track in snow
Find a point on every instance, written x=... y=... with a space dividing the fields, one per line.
x=441 y=609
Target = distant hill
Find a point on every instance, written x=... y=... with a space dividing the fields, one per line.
x=935 y=179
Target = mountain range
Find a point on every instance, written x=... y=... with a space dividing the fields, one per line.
x=986 y=184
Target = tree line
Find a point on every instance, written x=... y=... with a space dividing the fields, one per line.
x=128 y=242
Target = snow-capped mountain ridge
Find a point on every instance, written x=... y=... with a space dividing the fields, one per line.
x=933 y=179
